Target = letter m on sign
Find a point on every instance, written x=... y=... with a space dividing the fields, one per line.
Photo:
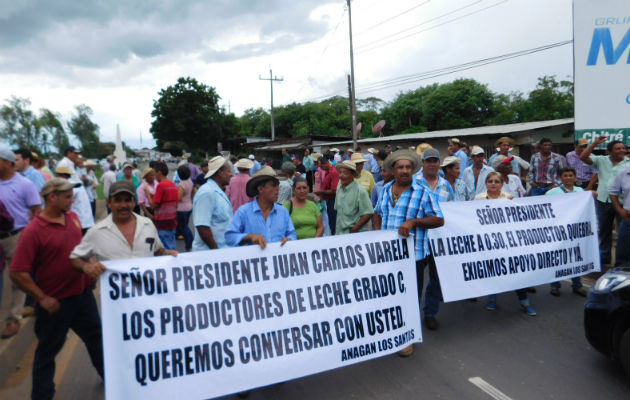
x=603 y=39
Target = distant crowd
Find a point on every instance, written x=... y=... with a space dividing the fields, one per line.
x=54 y=247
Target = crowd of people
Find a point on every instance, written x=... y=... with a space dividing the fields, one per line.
x=54 y=247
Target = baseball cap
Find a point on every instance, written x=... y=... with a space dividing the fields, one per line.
x=58 y=185
x=6 y=153
x=430 y=153
x=251 y=157
x=122 y=187
x=476 y=150
x=72 y=149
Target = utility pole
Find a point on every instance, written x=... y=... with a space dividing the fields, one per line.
x=353 y=106
x=271 y=79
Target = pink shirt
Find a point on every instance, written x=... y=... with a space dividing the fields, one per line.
x=236 y=191
x=185 y=204
x=142 y=196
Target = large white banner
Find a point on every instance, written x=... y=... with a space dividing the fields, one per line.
x=210 y=323
x=492 y=246
x=601 y=47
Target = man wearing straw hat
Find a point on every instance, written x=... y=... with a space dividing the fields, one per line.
x=354 y=209
x=505 y=144
x=262 y=220
x=454 y=149
x=212 y=210
x=364 y=178
x=408 y=207
x=236 y=189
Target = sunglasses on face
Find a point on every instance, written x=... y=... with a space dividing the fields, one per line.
x=497 y=182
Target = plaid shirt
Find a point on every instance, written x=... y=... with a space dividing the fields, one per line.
x=416 y=202
x=546 y=171
x=443 y=190
x=461 y=192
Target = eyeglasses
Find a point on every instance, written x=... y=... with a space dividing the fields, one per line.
x=497 y=182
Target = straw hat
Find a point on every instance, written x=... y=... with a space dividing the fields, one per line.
x=264 y=174
x=186 y=155
x=147 y=171
x=504 y=139
x=63 y=170
x=348 y=165
x=450 y=160
x=372 y=150
x=316 y=156
x=88 y=163
x=404 y=154
x=214 y=165
x=58 y=185
x=422 y=147
x=334 y=149
x=357 y=158
x=244 y=163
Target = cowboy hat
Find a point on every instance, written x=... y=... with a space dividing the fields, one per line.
x=214 y=165
x=404 y=154
x=263 y=175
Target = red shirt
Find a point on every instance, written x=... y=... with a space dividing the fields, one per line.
x=44 y=248
x=330 y=182
x=166 y=196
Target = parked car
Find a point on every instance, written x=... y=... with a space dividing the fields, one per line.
x=607 y=315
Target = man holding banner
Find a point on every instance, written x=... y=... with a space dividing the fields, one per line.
x=408 y=207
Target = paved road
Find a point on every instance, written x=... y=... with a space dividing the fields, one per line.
x=542 y=357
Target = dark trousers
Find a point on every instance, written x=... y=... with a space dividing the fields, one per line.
x=183 y=217
x=606 y=219
x=622 y=256
x=332 y=215
x=309 y=180
x=433 y=296
x=93 y=205
x=78 y=313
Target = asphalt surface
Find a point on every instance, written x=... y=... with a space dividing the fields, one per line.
x=475 y=354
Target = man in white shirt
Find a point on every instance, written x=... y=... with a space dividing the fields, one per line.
x=81 y=204
x=70 y=161
x=108 y=178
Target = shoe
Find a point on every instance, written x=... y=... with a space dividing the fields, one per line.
x=529 y=310
x=406 y=352
x=531 y=290
x=555 y=291
x=580 y=292
x=28 y=311
x=431 y=323
x=491 y=305
x=11 y=329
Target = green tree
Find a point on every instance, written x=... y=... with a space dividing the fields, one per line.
x=187 y=114
x=405 y=114
x=84 y=129
x=550 y=100
x=52 y=130
x=18 y=123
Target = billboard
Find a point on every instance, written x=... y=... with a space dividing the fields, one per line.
x=601 y=57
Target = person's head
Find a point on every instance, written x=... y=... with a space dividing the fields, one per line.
x=112 y=167
x=288 y=168
x=380 y=155
x=161 y=170
x=450 y=167
x=545 y=146
x=403 y=164
x=358 y=149
x=503 y=164
x=504 y=144
x=149 y=175
x=478 y=155
x=347 y=172
x=204 y=168
x=284 y=152
x=300 y=188
x=57 y=194
x=297 y=160
x=580 y=145
x=388 y=149
x=494 y=182
x=568 y=176
x=387 y=176
x=264 y=185
x=307 y=152
x=219 y=170
x=127 y=170
x=324 y=163
x=453 y=146
x=430 y=163
x=89 y=165
x=358 y=160
x=465 y=148
x=72 y=153
x=121 y=199
x=183 y=172
x=616 y=149
x=39 y=163
x=63 y=172
x=23 y=158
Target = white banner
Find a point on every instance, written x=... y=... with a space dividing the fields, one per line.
x=210 y=323
x=601 y=53
x=493 y=246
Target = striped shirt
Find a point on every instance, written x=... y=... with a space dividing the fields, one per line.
x=415 y=202
x=546 y=171
x=443 y=190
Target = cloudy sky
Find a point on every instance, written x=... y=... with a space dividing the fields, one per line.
x=115 y=55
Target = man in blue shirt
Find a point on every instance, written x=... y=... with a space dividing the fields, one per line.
x=261 y=220
x=256 y=166
x=212 y=210
x=23 y=159
x=454 y=149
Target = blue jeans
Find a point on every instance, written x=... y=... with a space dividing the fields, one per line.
x=433 y=295
x=183 y=217
x=623 y=241
x=168 y=239
x=539 y=191
x=606 y=219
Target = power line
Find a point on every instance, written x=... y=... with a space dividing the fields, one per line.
x=393 y=17
x=402 y=80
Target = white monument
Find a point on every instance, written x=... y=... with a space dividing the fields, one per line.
x=119 y=153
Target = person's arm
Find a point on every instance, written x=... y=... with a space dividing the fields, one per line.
x=377 y=222
x=155 y=199
x=362 y=221
x=320 y=227
x=90 y=267
x=623 y=213
x=206 y=235
x=592 y=182
x=164 y=252
x=586 y=154
x=180 y=192
x=428 y=222
x=531 y=175
x=25 y=282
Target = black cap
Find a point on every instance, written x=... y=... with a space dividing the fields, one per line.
x=72 y=149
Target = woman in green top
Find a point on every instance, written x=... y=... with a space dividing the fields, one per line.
x=306 y=217
x=130 y=177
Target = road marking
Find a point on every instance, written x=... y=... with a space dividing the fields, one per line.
x=489 y=389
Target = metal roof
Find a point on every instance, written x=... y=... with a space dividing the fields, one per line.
x=480 y=130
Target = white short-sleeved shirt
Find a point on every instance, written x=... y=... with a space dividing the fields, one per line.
x=82 y=206
x=105 y=241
